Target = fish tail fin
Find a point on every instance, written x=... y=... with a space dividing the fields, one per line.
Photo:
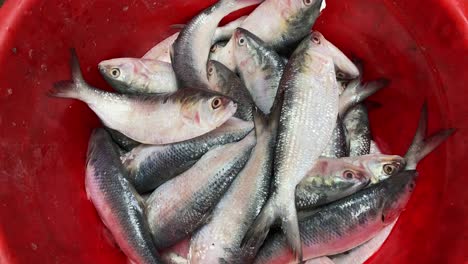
x=70 y=88
x=352 y=97
x=261 y=226
x=422 y=146
x=290 y=226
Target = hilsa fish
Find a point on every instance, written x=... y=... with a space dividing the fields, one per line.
x=116 y=200
x=190 y=50
x=308 y=116
x=150 y=119
x=183 y=204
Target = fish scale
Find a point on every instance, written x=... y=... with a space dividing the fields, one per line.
x=150 y=166
x=116 y=201
x=308 y=117
x=182 y=204
x=342 y=225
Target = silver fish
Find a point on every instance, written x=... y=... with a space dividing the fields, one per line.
x=192 y=47
x=183 y=204
x=344 y=67
x=225 y=32
x=308 y=116
x=161 y=51
x=284 y=24
x=116 y=201
x=139 y=76
x=356 y=92
x=259 y=67
x=347 y=223
x=225 y=81
x=219 y=240
x=338 y=145
x=330 y=180
x=151 y=119
x=121 y=140
x=358 y=133
x=363 y=252
x=150 y=166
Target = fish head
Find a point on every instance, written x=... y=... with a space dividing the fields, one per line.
x=246 y=54
x=346 y=176
x=299 y=15
x=382 y=166
x=216 y=51
x=400 y=187
x=207 y=109
x=337 y=175
x=344 y=67
x=216 y=75
x=119 y=72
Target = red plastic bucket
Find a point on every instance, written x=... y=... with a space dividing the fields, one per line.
x=45 y=217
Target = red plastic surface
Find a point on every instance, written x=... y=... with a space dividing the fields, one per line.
x=45 y=217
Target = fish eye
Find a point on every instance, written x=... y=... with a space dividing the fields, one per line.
x=115 y=72
x=389 y=169
x=349 y=174
x=214 y=48
x=241 y=41
x=307 y=2
x=316 y=39
x=210 y=70
x=216 y=103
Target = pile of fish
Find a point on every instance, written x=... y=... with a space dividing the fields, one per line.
x=250 y=142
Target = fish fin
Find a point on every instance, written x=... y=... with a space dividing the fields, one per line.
x=290 y=226
x=422 y=146
x=70 y=88
x=177 y=26
x=352 y=97
x=261 y=225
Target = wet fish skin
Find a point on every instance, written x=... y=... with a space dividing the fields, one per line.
x=219 y=240
x=124 y=142
x=144 y=118
x=347 y=223
x=183 y=204
x=225 y=81
x=329 y=180
x=344 y=67
x=225 y=32
x=150 y=166
x=284 y=25
x=338 y=145
x=357 y=126
x=259 y=67
x=192 y=46
x=308 y=116
x=116 y=200
x=356 y=92
x=161 y=50
x=139 y=76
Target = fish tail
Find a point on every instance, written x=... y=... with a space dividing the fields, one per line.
x=290 y=226
x=70 y=88
x=422 y=146
x=352 y=97
x=261 y=226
